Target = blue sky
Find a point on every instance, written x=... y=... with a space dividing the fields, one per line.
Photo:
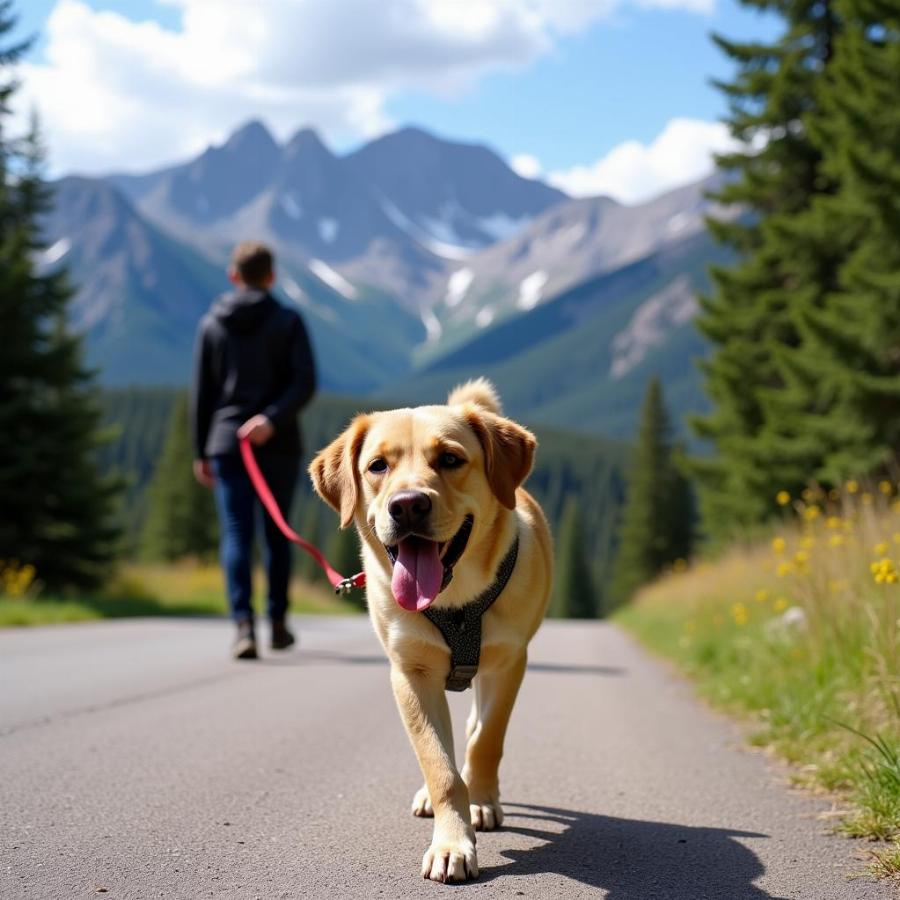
x=610 y=96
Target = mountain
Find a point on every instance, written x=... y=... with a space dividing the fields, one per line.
x=564 y=246
x=417 y=262
x=454 y=196
x=582 y=359
x=140 y=294
x=384 y=216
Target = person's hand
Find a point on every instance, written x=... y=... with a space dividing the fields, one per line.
x=259 y=429
x=203 y=472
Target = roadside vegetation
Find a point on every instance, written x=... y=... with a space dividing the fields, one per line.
x=185 y=588
x=798 y=632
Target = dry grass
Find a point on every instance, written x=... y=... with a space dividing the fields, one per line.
x=185 y=588
x=800 y=632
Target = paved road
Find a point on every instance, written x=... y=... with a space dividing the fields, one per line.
x=136 y=758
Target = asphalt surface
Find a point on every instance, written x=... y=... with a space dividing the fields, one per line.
x=137 y=760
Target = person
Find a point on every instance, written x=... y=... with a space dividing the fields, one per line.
x=253 y=372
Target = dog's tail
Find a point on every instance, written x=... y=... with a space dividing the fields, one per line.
x=479 y=392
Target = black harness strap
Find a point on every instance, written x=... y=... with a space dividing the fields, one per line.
x=461 y=626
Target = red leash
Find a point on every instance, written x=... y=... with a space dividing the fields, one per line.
x=340 y=584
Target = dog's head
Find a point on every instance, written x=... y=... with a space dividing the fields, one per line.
x=419 y=479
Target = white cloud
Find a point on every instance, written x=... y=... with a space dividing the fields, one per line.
x=631 y=172
x=526 y=165
x=116 y=93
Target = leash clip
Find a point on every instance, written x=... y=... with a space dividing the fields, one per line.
x=344 y=587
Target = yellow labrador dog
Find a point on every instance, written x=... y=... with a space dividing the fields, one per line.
x=452 y=546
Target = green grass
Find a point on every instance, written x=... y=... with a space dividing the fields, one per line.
x=802 y=643
x=156 y=590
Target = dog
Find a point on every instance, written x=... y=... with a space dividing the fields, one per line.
x=436 y=495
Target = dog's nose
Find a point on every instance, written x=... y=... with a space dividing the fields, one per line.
x=409 y=509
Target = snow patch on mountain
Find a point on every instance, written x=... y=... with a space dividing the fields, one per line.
x=328 y=229
x=333 y=279
x=304 y=301
x=457 y=286
x=485 y=316
x=433 y=327
x=291 y=206
x=652 y=323
x=55 y=252
x=679 y=222
x=530 y=290
x=501 y=226
x=439 y=248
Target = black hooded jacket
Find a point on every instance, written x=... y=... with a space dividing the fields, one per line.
x=252 y=355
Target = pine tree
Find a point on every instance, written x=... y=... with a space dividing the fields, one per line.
x=657 y=519
x=574 y=596
x=56 y=511
x=181 y=518
x=753 y=315
x=853 y=341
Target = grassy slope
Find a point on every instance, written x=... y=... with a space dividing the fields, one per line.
x=802 y=641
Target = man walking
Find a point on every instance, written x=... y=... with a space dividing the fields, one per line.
x=253 y=373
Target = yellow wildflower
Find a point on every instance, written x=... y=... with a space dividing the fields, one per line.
x=784 y=569
x=885 y=487
x=762 y=595
x=740 y=614
x=884 y=571
x=880 y=549
x=852 y=486
x=836 y=540
x=780 y=604
x=833 y=522
x=801 y=558
x=782 y=498
x=811 y=513
x=807 y=542
x=779 y=545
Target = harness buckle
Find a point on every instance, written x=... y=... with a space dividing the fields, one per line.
x=460 y=677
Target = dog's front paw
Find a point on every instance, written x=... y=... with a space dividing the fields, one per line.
x=486 y=814
x=421 y=805
x=450 y=860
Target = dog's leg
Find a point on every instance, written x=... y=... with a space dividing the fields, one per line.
x=497 y=690
x=421 y=805
x=423 y=708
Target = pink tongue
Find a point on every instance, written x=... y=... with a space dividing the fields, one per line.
x=417 y=574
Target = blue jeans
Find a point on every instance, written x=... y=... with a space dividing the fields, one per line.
x=238 y=508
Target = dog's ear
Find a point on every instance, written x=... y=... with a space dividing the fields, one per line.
x=508 y=452
x=334 y=471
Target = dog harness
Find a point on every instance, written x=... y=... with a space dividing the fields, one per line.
x=461 y=626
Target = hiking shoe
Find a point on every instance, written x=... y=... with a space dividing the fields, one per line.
x=281 y=636
x=244 y=646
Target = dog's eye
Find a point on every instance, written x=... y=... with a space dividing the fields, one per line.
x=450 y=461
x=377 y=466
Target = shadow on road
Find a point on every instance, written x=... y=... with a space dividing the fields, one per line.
x=633 y=860
x=317 y=657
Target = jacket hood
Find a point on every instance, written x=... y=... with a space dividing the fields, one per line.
x=243 y=310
